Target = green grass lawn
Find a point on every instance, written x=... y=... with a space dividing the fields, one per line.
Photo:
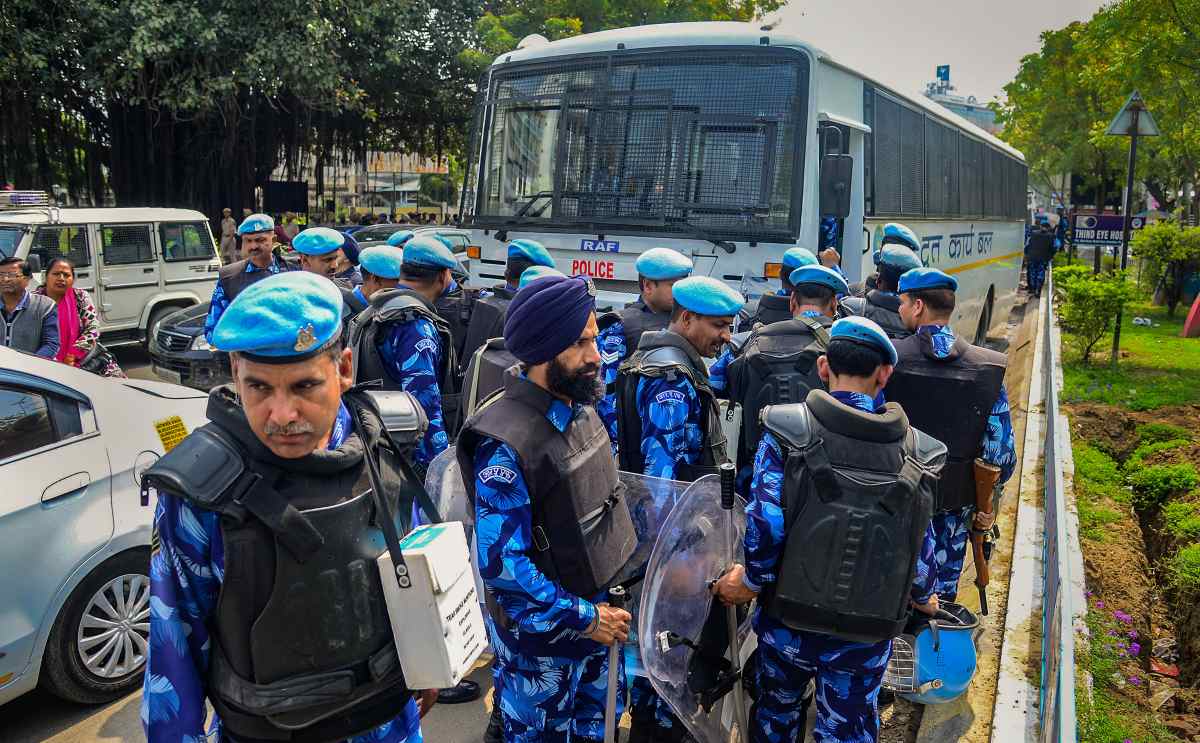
x=1161 y=368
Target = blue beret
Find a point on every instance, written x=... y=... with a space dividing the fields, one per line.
x=794 y=258
x=894 y=232
x=383 y=261
x=863 y=331
x=318 y=241
x=397 y=239
x=530 y=250
x=705 y=295
x=821 y=275
x=537 y=272
x=927 y=278
x=427 y=251
x=282 y=319
x=547 y=316
x=256 y=223
x=898 y=257
x=663 y=264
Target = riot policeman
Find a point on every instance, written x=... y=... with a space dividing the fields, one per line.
x=265 y=598
x=400 y=340
x=320 y=250
x=1039 y=251
x=893 y=233
x=381 y=267
x=667 y=416
x=954 y=391
x=778 y=364
x=881 y=304
x=487 y=317
x=552 y=527
x=658 y=270
x=776 y=307
x=257 y=232
x=826 y=471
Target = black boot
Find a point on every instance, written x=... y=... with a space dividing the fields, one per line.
x=466 y=691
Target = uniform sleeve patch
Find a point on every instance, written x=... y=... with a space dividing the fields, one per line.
x=497 y=473
x=426 y=344
x=667 y=397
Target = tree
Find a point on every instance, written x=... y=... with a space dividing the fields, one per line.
x=1088 y=304
x=1169 y=255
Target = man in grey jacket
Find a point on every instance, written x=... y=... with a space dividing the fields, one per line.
x=28 y=322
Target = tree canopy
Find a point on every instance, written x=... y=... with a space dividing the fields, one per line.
x=196 y=102
x=1065 y=95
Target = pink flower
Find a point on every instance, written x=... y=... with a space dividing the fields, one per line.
x=1135 y=681
x=1123 y=617
x=1132 y=634
x=1135 y=649
x=1099 y=604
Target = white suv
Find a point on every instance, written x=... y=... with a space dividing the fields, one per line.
x=139 y=265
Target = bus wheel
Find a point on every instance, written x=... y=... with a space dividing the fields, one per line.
x=985 y=320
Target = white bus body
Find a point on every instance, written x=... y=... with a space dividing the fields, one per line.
x=708 y=138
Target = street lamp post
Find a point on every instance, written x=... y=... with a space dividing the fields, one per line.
x=1133 y=121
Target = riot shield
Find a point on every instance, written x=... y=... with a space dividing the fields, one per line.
x=444 y=483
x=682 y=631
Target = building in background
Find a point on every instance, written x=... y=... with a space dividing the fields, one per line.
x=968 y=107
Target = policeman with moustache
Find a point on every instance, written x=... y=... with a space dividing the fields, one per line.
x=827 y=470
x=552 y=527
x=401 y=341
x=954 y=391
x=256 y=510
x=881 y=304
x=487 y=317
x=778 y=363
x=776 y=307
x=658 y=270
x=257 y=232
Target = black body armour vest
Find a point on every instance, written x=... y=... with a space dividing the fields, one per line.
x=637 y=318
x=392 y=306
x=882 y=308
x=302 y=647
x=777 y=367
x=485 y=374
x=949 y=399
x=1041 y=245
x=487 y=319
x=857 y=498
x=667 y=354
x=582 y=530
x=767 y=309
x=233 y=277
x=456 y=308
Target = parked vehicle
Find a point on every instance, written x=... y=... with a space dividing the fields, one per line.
x=74 y=537
x=139 y=264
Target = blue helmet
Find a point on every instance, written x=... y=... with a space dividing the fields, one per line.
x=934 y=664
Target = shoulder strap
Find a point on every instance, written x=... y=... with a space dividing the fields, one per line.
x=816 y=461
x=818 y=330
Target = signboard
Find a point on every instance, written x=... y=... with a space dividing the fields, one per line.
x=1102 y=229
x=943 y=73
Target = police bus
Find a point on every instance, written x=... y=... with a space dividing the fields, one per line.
x=731 y=144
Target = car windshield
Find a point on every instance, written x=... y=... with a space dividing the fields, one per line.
x=673 y=141
x=376 y=233
x=10 y=238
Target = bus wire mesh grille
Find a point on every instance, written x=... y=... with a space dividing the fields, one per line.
x=673 y=142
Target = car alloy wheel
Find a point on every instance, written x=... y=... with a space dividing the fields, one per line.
x=114 y=630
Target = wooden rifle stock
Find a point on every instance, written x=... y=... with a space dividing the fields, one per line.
x=986 y=477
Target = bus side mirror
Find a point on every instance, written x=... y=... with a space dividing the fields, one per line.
x=837 y=173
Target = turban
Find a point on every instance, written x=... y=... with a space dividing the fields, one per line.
x=547 y=316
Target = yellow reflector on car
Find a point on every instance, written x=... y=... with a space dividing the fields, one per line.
x=772 y=270
x=474 y=251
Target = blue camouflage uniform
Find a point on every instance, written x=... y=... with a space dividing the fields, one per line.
x=952 y=528
x=186 y=572
x=412 y=354
x=1035 y=270
x=219 y=302
x=551 y=682
x=848 y=674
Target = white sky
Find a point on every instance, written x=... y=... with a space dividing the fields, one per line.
x=902 y=41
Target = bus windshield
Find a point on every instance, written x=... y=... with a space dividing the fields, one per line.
x=691 y=142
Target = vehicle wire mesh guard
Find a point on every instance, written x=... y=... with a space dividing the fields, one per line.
x=674 y=141
x=901 y=673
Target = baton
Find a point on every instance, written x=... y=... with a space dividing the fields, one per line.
x=735 y=646
x=616 y=599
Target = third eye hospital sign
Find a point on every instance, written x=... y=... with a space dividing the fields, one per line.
x=1102 y=229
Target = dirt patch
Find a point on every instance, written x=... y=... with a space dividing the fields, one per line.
x=1118 y=571
x=1114 y=430
x=899 y=722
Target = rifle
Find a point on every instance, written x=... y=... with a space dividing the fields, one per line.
x=986 y=477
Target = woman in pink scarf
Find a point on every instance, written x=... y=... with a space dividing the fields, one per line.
x=78 y=324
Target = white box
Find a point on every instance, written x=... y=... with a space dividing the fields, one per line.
x=436 y=621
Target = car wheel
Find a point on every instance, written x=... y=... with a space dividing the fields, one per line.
x=158 y=314
x=98 y=645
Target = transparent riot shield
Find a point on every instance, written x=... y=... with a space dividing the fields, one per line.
x=683 y=638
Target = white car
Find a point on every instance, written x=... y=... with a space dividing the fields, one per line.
x=74 y=536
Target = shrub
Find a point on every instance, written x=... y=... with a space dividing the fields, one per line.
x=1185 y=569
x=1149 y=433
x=1137 y=459
x=1181 y=519
x=1089 y=304
x=1153 y=485
x=1169 y=255
x=1094 y=465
